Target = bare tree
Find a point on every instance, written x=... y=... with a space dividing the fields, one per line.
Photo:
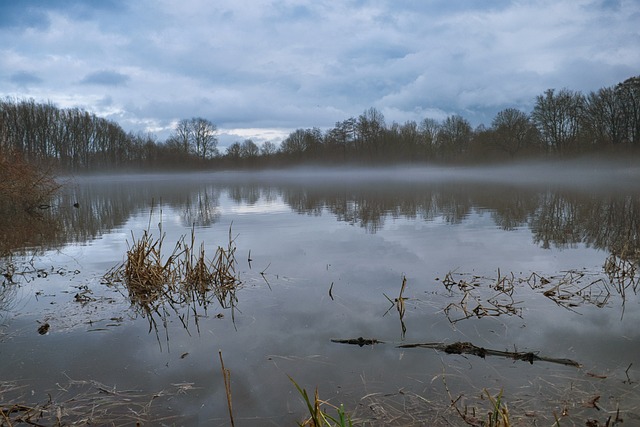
x=428 y=129
x=370 y=127
x=303 y=141
x=454 y=136
x=296 y=143
x=249 y=149
x=603 y=119
x=513 y=131
x=204 y=139
x=268 y=148
x=182 y=135
x=629 y=96
x=234 y=151
x=558 y=117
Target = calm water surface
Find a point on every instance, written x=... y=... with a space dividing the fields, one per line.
x=329 y=252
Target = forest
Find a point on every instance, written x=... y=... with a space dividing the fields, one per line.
x=562 y=123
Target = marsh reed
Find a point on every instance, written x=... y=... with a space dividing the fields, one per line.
x=226 y=376
x=159 y=284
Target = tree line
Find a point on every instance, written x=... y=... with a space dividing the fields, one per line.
x=76 y=140
x=561 y=122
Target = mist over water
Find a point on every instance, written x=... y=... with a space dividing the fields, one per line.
x=579 y=174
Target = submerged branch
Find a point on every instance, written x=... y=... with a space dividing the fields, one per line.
x=466 y=348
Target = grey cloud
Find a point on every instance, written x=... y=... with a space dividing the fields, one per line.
x=14 y=14
x=35 y=13
x=107 y=101
x=24 y=78
x=105 y=78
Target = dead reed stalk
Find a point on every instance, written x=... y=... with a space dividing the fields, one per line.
x=398 y=303
x=226 y=376
x=569 y=290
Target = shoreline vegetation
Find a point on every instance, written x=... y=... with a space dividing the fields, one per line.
x=25 y=193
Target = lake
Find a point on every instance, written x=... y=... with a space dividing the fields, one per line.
x=521 y=281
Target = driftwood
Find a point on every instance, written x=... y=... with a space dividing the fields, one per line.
x=468 y=348
x=359 y=341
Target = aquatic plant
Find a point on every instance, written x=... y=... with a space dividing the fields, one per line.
x=317 y=416
x=499 y=415
x=218 y=275
x=144 y=272
x=158 y=284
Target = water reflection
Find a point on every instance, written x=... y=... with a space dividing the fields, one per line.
x=28 y=232
x=556 y=218
x=201 y=208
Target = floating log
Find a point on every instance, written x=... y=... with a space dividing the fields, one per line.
x=467 y=348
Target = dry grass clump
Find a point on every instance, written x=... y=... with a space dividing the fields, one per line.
x=497 y=414
x=158 y=284
x=147 y=277
x=472 y=304
x=202 y=276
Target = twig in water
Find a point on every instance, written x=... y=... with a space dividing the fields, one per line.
x=226 y=375
x=264 y=277
x=626 y=372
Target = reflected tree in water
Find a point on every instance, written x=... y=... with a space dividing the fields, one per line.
x=247 y=194
x=201 y=208
x=557 y=219
x=556 y=222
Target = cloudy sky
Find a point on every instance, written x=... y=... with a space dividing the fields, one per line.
x=260 y=69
